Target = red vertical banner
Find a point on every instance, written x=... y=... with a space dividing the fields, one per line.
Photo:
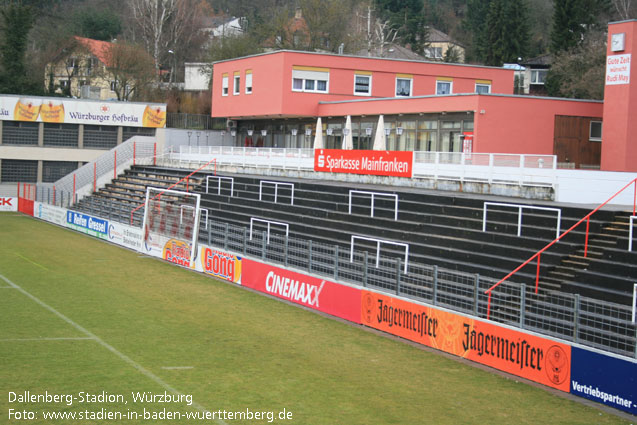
x=134 y=152
x=94 y=176
x=467 y=144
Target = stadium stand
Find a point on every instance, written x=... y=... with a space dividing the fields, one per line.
x=441 y=229
x=452 y=261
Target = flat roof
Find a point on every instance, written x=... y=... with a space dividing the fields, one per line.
x=363 y=58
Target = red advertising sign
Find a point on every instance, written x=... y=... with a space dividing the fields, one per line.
x=322 y=295
x=378 y=163
x=529 y=356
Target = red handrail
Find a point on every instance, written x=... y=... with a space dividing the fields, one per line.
x=175 y=184
x=538 y=254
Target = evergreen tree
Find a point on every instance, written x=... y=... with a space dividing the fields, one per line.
x=476 y=24
x=506 y=32
x=408 y=16
x=17 y=20
x=572 y=19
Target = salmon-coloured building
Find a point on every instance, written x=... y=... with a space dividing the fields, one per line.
x=274 y=100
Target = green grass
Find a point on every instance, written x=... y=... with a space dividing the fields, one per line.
x=245 y=350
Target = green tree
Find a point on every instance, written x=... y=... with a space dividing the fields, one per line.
x=98 y=24
x=579 y=72
x=17 y=19
x=408 y=17
x=573 y=18
x=507 y=32
x=476 y=24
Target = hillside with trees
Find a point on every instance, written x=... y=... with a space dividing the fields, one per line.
x=172 y=32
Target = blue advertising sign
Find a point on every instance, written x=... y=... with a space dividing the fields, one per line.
x=89 y=224
x=604 y=379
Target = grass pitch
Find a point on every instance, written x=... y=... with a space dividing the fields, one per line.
x=84 y=318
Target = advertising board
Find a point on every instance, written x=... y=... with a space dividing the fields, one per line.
x=71 y=111
x=124 y=235
x=8 y=204
x=87 y=224
x=532 y=357
x=605 y=379
x=319 y=294
x=50 y=213
x=219 y=263
x=378 y=163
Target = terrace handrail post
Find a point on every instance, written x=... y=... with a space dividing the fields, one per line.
x=476 y=281
x=309 y=255
x=286 y=250
x=365 y=271
x=335 y=262
x=522 y=305
x=225 y=235
x=263 y=246
x=245 y=241
x=398 y=265
x=576 y=317
x=435 y=285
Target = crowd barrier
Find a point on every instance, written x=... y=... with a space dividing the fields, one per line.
x=563 y=365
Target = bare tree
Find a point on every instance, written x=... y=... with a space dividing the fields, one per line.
x=623 y=8
x=164 y=25
x=130 y=70
x=385 y=36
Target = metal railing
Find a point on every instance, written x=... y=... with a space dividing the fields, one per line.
x=529 y=170
x=601 y=324
x=571 y=317
x=520 y=208
x=538 y=254
x=95 y=174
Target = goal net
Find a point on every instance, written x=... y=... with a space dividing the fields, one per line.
x=171 y=225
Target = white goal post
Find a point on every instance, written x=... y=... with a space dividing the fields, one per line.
x=171 y=225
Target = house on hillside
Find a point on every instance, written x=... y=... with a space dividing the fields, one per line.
x=536 y=70
x=440 y=45
x=79 y=70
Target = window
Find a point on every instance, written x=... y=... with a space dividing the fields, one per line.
x=362 y=85
x=444 y=86
x=483 y=87
x=113 y=85
x=248 y=82
x=403 y=86
x=73 y=63
x=18 y=170
x=224 y=85
x=595 y=131
x=433 y=52
x=538 y=76
x=237 y=84
x=310 y=79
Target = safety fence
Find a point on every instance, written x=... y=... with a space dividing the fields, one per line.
x=538 y=255
x=529 y=170
x=93 y=175
x=566 y=316
x=596 y=323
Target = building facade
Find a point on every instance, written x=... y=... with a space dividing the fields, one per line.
x=274 y=99
x=43 y=139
